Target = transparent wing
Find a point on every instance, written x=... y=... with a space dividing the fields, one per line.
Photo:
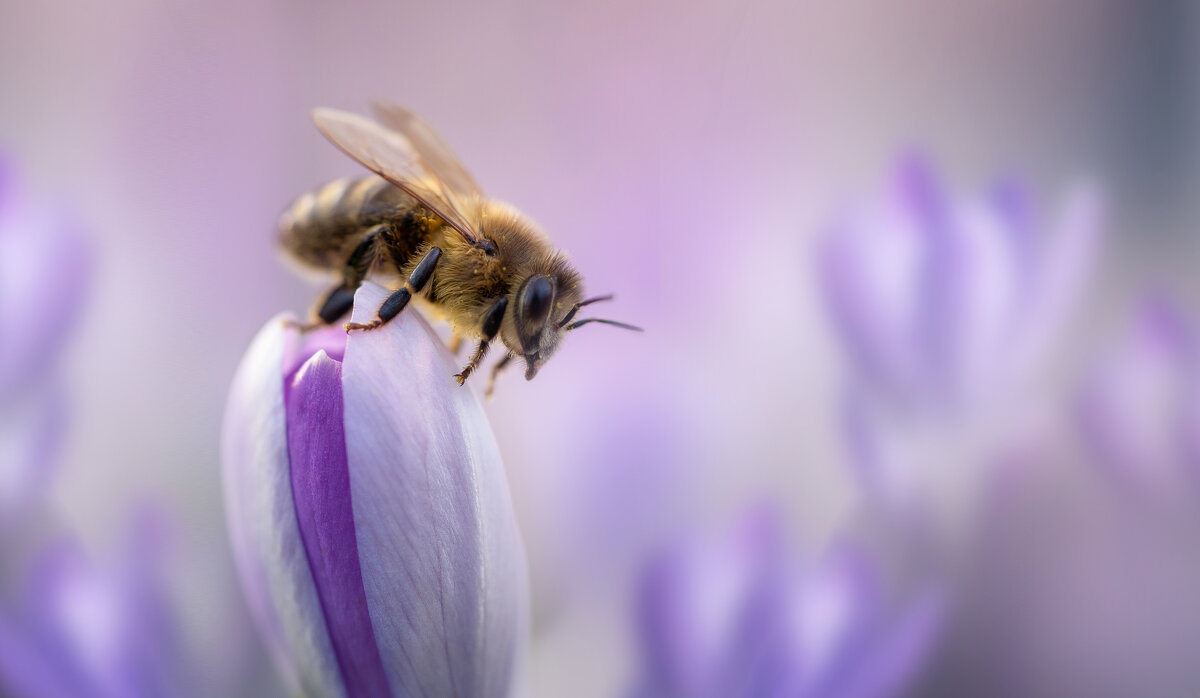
x=436 y=155
x=394 y=157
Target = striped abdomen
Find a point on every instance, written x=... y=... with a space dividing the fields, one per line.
x=323 y=226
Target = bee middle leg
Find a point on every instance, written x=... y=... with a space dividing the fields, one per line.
x=395 y=303
x=496 y=369
x=491 y=327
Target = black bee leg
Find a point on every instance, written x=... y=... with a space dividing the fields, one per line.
x=340 y=299
x=339 y=302
x=400 y=298
x=491 y=327
x=358 y=265
x=496 y=369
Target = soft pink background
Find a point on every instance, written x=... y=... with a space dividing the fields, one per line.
x=685 y=153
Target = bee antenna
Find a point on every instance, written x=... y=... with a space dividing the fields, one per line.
x=575 y=308
x=581 y=323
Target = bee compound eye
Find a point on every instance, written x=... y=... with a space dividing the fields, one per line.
x=536 y=300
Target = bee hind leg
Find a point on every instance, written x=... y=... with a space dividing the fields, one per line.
x=340 y=299
x=491 y=326
x=337 y=303
x=399 y=299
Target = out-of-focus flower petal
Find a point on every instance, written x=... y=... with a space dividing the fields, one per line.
x=1059 y=274
x=1137 y=405
x=26 y=671
x=898 y=648
x=949 y=309
x=30 y=439
x=84 y=629
x=700 y=607
x=261 y=512
x=734 y=617
x=44 y=267
x=44 y=264
x=867 y=263
x=945 y=303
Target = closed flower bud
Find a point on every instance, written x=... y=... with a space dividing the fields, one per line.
x=370 y=514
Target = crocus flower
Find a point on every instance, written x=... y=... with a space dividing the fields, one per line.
x=1139 y=405
x=370 y=514
x=949 y=301
x=735 y=617
x=81 y=629
x=947 y=308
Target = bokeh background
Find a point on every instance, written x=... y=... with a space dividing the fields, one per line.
x=691 y=157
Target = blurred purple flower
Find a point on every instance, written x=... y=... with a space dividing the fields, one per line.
x=1068 y=586
x=370 y=514
x=37 y=244
x=945 y=303
x=1139 y=406
x=30 y=440
x=947 y=310
x=85 y=631
x=44 y=264
x=734 y=617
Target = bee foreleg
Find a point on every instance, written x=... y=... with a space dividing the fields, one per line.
x=496 y=369
x=491 y=326
x=395 y=303
x=455 y=344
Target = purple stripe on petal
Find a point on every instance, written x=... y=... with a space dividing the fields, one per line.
x=272 y=562
x=321 y=489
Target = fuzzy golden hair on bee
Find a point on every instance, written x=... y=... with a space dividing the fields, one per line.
x=421 y=224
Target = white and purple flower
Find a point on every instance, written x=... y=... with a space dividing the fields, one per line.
x=735 y=616
x=370 y=514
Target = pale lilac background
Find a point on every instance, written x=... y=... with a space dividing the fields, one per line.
x=685 y=153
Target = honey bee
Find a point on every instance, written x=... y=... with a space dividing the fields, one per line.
x=421 y=225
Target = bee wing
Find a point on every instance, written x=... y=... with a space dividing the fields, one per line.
x=436 y=155
x=394 y=157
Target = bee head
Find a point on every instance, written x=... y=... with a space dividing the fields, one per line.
x=537 y=333
x=543 y=309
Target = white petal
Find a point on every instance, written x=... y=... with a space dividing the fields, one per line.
x=442 y=561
